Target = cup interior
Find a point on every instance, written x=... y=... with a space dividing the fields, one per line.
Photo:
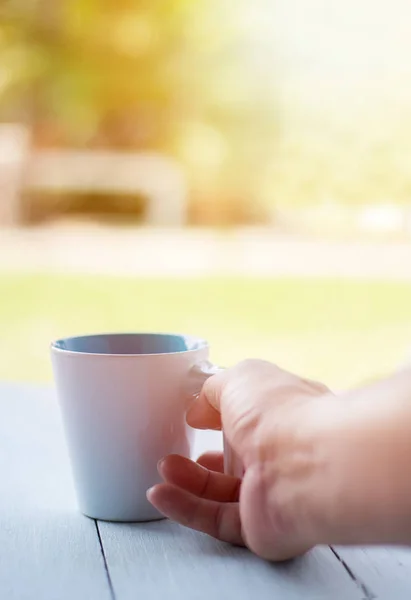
x=130 y=343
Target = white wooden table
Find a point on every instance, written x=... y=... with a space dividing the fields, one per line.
x=49 y=551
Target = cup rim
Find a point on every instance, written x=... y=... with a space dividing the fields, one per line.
x=200 y=344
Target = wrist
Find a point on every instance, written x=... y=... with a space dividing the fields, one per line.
x=366 y=445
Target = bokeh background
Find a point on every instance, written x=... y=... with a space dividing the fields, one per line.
x=233 y=169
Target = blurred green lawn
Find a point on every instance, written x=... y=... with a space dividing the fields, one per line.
x=339 y=331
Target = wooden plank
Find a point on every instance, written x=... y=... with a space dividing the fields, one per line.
x=384 y=572
x=48 y=550
x=164 y=560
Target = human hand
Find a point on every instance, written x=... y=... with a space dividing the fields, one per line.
x=266 y=414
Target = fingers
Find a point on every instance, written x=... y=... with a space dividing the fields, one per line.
x=219 y=520
x=236 y=392
x=204 y=413
x=230 y=387
x=198 y=480
x=201 y=415
x=213 y=461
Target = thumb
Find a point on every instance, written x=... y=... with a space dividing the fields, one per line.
x=205 y=411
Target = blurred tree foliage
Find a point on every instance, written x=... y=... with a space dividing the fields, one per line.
x=191 y=78
x=170 y=75
x=133 y=69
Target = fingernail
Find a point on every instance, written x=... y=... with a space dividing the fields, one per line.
x=149 y=493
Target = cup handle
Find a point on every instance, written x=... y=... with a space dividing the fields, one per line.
x=198 y=376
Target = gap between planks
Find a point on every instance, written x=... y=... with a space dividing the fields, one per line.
x=368 y=593
x=100 y=541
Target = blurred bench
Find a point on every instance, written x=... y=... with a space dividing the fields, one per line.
x=159 y=178
x=14 y=142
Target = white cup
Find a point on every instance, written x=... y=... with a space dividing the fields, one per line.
x=123 y=400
